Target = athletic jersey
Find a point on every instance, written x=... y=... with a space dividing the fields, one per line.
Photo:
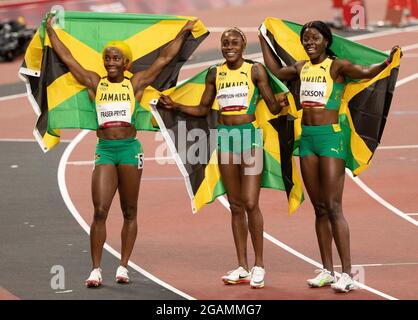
x=115 y=103
x=235 y=91
x=317 y=88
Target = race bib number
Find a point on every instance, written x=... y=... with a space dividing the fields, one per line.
x=140 y=160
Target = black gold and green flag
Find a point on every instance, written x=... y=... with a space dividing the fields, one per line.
x=365 y=104
x=203 y=178
x=61 y=102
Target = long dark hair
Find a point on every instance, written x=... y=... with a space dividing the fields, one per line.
x=324 y=30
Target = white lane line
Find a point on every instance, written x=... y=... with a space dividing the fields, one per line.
x=70 y=205
x=379 y=199
x=383 y=33
x=25 y=140
x=405 y=113
x=66 y=291
x=13 y=96
x=395 y=264
x=406 y=79
x=406 y=48
x=411 y=146
x=80 y=163
x=280 y=244
x=17 y=140
x=413 y=214
x=373 y=194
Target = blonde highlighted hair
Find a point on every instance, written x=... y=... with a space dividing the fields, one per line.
x=122 y=47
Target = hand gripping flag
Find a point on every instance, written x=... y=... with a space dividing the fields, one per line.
x=203 y=178
x=365 y=104
x=61 y=102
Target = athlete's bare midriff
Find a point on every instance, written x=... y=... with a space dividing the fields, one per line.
x=235 y=120
x=116 y=133
x=319 y=116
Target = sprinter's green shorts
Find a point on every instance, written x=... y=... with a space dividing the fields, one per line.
x=121 y=151
x=324 y=141
x=239 y=138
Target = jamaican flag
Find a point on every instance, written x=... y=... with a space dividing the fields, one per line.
x=61 y=102
x=202 y=177
x=365 y=104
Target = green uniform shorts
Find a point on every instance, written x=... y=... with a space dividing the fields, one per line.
x=239 y=138
x=324 y=141
x=121 y=151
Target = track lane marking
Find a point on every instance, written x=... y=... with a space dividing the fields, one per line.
x=13 y=96
x=373 y=194
x=379 y=199
x=394 y=264
x=410 y=146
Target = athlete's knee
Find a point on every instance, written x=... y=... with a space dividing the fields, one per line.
x=251 y=205
x=334 y=210
x=320 y=210
x=100 y=213
x=129 y=212
x=236 y=206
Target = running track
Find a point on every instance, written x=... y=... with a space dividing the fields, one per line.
x=191 y=252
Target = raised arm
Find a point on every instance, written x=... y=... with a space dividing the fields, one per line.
x=353 y=71
x=144 y=78
x=261 y=80
x=205 y=102
x=85 y=77
x=274 y=65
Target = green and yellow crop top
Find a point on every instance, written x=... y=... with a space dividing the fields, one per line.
x=115 y=103
x=317 y=88
x=235 y=91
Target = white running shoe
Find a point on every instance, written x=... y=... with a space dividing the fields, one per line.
x=239 y=275
x=122 y=275
x=344 y=284
x=257 y=277
x=95 y=278
x=324 y=278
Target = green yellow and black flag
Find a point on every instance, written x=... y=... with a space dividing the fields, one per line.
x=365 y=104
x=203 y=179
x=61 y=102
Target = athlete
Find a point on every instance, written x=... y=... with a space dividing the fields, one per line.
x=322 y=144
x=119 y=155
x=236 y=85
